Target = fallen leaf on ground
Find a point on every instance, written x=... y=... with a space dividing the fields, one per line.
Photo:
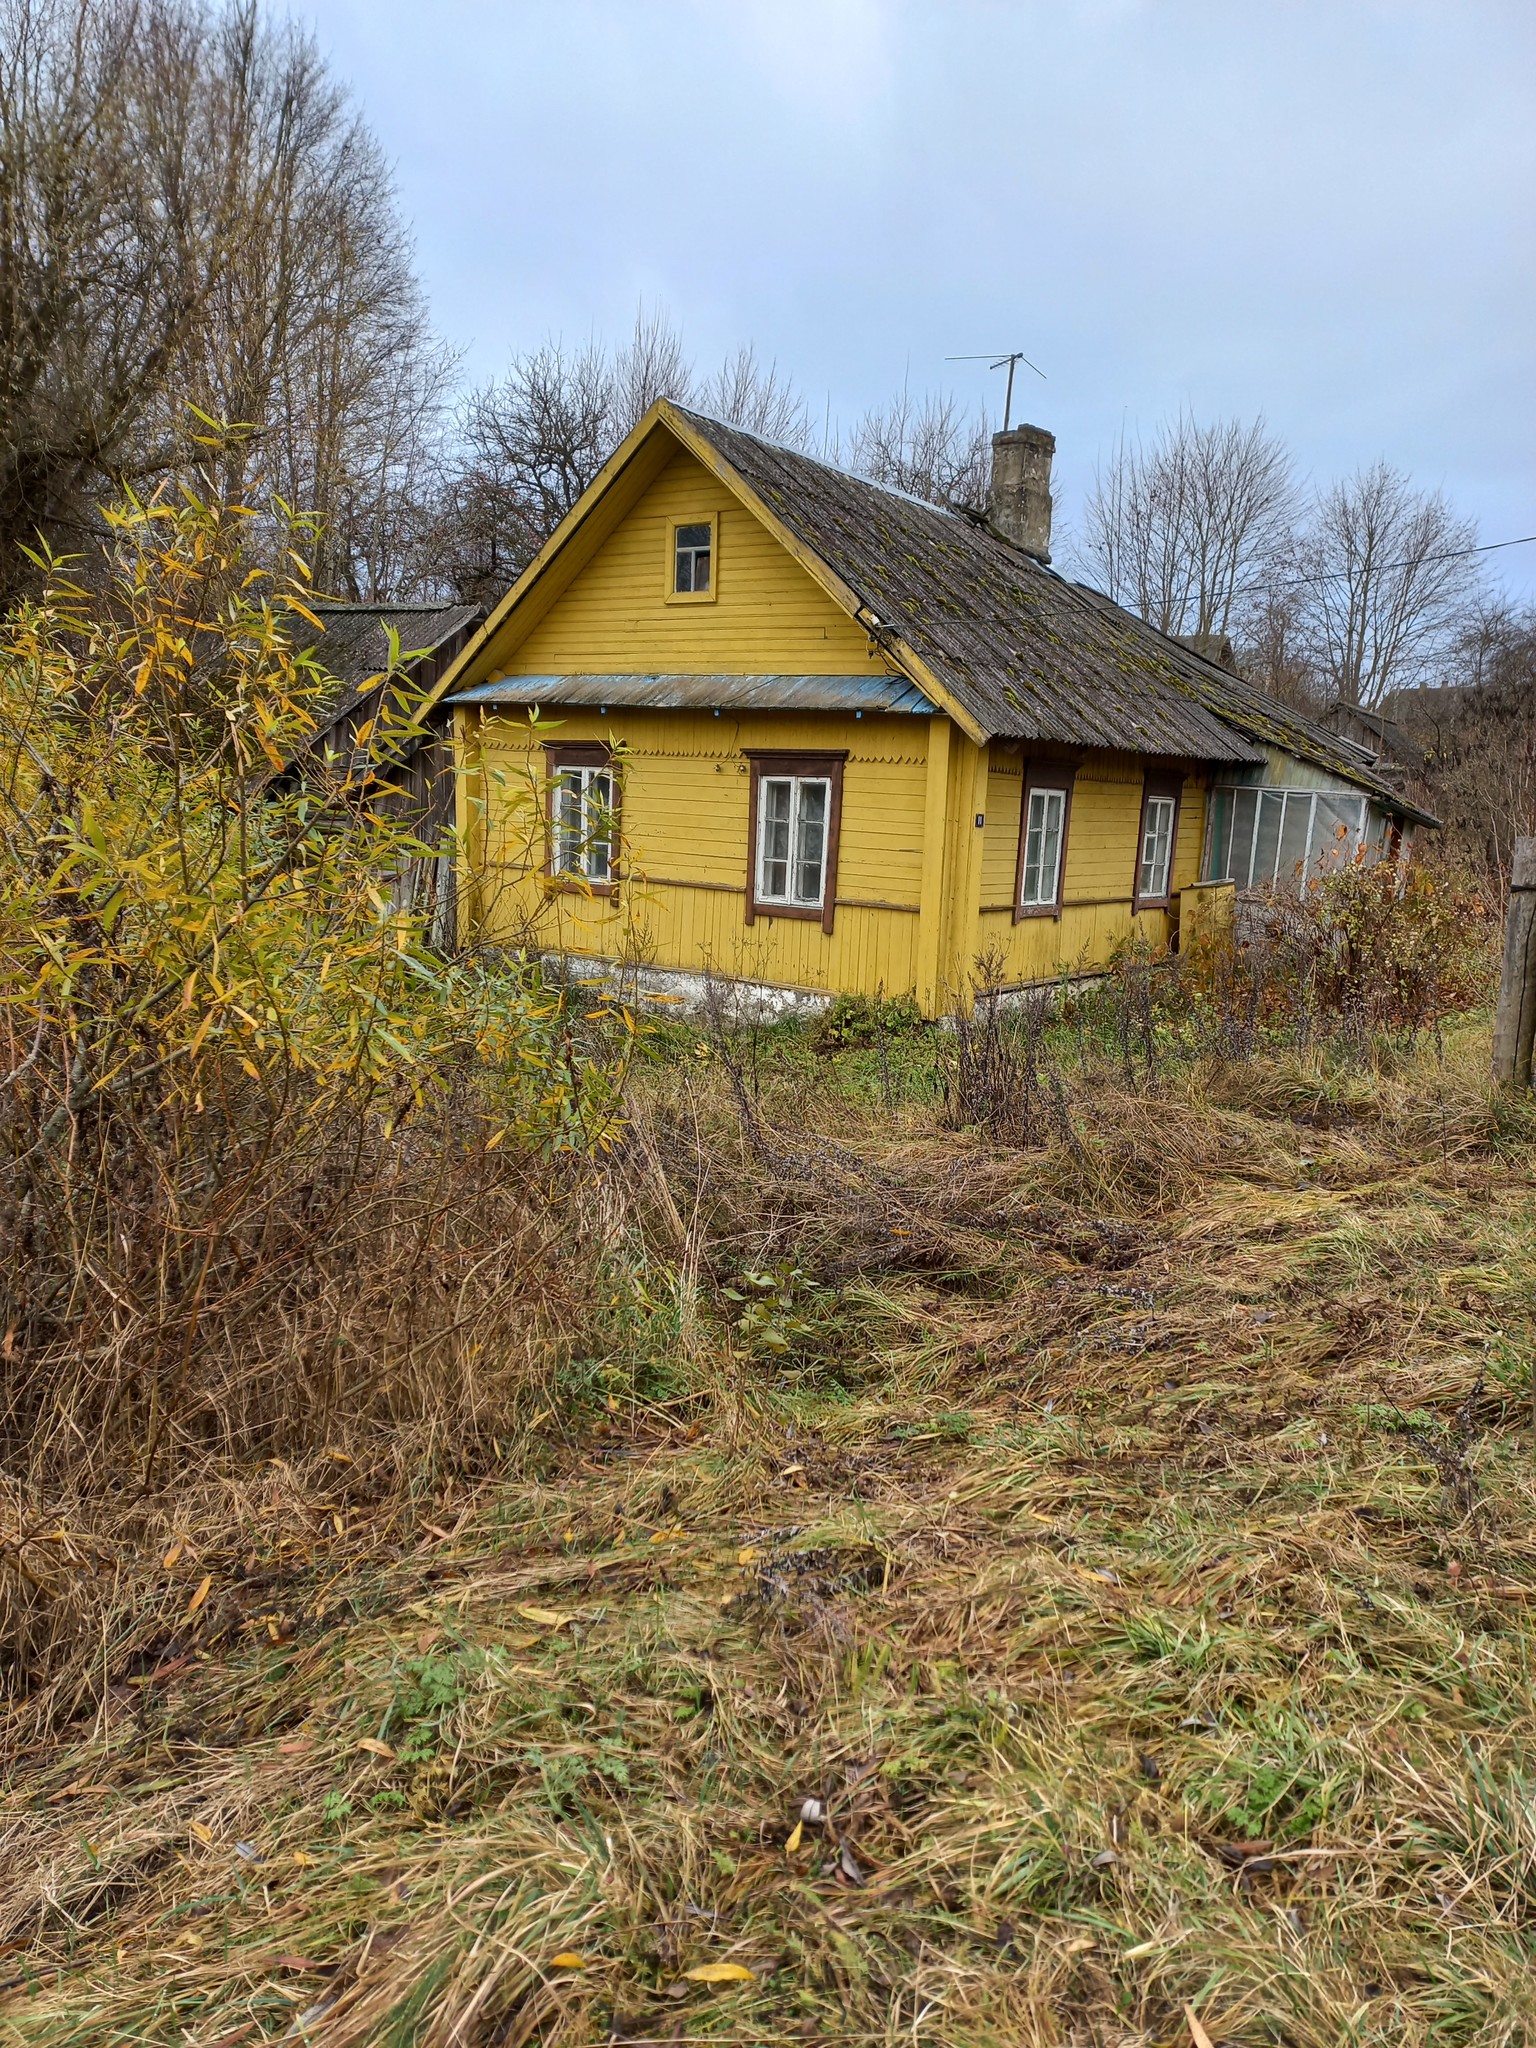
x=795 y=1837
x=376 y=1748
x=721 y=1973
x=567 y=1960
x=1199 y=2038
x=200 y=1595
x=546 y=1617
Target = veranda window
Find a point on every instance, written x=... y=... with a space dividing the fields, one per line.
x=1278 y=838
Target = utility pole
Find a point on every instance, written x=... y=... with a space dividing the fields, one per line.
x=1514 y=1022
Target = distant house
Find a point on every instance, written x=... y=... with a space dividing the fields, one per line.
x=355 y=650
x=800 y=730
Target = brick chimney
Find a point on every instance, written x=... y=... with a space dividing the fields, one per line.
x=1020 y=507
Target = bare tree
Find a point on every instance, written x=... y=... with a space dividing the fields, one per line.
x=746 y=394
x=1479 y=737
x=1273 y=651
x=930 y=447
x=652 y=364
x=1186 y=532
x=190 y=214
x=529 y=443
x=1386 y=578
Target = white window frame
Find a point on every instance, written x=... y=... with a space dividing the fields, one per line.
x=1154 y=871
x=791 y=898
x=1047 y=795
x=582 y=834
x=690 y=552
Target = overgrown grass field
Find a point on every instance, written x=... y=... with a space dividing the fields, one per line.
x=951 y=1591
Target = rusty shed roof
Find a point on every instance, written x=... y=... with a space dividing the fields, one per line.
x=1029 y=654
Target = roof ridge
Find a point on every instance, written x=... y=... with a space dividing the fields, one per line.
x=855 y=476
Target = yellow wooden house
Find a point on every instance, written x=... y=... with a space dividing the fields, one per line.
x=749 y=717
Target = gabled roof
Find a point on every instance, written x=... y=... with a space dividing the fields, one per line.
x=1006 y=645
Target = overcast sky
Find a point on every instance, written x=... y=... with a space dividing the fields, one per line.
x=1317 y=210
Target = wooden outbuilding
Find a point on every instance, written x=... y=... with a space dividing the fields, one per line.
x=417 y=772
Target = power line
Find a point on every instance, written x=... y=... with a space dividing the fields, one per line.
x=1487 y=547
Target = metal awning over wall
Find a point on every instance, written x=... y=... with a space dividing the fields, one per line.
x=706 y=693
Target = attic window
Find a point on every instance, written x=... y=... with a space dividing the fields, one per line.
x=693 y=558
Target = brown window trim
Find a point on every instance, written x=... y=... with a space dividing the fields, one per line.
x=560 y=754
x=1043 y=775
x=812 y=762
x=1155 y=785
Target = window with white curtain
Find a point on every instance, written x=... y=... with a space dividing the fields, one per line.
x=1156 y=847
x=1040 y=869
x=583 y=809
x=1281 y=838
x=792 y=819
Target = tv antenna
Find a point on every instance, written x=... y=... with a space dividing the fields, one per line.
x=1012 y=358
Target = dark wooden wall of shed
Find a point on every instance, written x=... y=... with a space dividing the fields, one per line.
x=421 y=791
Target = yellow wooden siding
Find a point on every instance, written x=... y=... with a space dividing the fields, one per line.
x=684 y=822
x=1100 y=876
x=768 y=616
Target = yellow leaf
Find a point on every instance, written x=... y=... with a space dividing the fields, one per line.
x=546 y=1617
x=173 y=1554
x=195 y=1827
x=795 y=1838
x=721 y=1973
x=567 y=1960
x=200 y=1595
x=666 y=1535
x=304 y=1861
x=376 y=1748
x=1199 y=2038
x=749 y=1554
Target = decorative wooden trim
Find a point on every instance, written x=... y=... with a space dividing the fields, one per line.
x=1040 y=774
x=1156 y=784
x=810 y=763
x=560 y=754
x=680 y=882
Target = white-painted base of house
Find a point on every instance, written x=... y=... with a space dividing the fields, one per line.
x=675 y=989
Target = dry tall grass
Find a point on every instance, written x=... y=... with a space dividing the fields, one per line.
x=1071 y=1594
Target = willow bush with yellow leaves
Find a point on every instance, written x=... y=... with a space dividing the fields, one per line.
x=269 y=1164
